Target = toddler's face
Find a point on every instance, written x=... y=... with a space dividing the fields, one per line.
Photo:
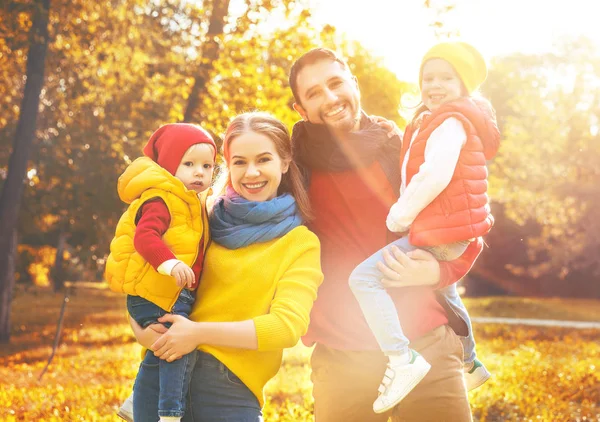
x=196 y=167
x=440 y=84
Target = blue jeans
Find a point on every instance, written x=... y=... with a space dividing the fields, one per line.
x=174 y=378
x=380 y=311
x=215 y=394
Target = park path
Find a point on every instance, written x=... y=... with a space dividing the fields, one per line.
x=538 y=322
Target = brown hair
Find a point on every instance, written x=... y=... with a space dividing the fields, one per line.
x=311 y=57
x=265 y=124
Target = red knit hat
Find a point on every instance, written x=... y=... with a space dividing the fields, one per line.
x=169 y=143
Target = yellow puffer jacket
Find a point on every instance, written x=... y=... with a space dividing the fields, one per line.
x=126 y=270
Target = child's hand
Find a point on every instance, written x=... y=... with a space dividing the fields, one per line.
x=391 y=223
x=183 y=275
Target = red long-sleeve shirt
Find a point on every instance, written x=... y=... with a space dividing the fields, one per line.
x=350 y=210
x=152 y=225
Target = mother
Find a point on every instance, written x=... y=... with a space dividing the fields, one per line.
x=258 y=286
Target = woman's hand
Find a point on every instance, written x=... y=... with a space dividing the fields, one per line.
x=147 y=336
x=415 y=268
x=388 y=125
x=180 y=339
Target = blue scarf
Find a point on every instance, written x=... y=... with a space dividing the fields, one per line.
x=237 y=222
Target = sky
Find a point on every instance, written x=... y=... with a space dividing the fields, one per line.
x=398 y=30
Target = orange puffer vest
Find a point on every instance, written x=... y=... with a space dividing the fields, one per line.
x=462 y=210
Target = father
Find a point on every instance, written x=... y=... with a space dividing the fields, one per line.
x=354 y=176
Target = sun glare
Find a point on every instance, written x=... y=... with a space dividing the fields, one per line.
x=400 y=32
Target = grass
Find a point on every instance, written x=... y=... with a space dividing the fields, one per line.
x=537 y=308
x=540 y=374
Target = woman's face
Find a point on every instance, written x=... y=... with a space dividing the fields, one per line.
x=255 y=167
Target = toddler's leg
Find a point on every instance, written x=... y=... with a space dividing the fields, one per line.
x=174 y=385
x=175 y=376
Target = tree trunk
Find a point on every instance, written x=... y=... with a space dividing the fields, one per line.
x=10 y=198
x=8 y=274
x=208 y=55
x=58 y=273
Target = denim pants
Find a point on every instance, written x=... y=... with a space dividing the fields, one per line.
x=174 y=377
x=215 y=393
x=380 y=311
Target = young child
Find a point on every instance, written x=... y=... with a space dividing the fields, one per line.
x=158 y=250
x=443 y=205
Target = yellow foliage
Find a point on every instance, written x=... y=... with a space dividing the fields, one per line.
x=546 y=374
x=43 y=260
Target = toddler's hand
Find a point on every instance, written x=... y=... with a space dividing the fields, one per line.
x=183 y=274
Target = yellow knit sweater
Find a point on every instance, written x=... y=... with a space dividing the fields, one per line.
x=273 y=283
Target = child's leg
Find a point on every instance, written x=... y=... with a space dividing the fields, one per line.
x=452 y=298
x=175 y=376
x=376 y=304
x=146 y=389
x=406 y=367
x=143 y=311
x=174 y=385
x=450 y=252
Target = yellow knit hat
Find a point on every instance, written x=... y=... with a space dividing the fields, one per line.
x=464 y=58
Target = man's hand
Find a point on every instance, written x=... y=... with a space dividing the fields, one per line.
x=183 y=274
x=415 y=268
x=388 y=125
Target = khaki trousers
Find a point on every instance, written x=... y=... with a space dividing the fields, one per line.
x=346 y=382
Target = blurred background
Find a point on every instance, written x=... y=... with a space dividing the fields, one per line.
x=115 y=70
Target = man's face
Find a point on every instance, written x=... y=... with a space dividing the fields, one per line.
x=329 y=95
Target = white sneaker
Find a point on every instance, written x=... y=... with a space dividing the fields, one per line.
x=126 y=410
x=399 y=380
x=476 y=375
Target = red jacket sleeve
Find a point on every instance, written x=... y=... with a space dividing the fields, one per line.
x=152 y=225
x=452 y=271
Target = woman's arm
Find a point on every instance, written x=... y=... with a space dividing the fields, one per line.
x=184 y=336
x=296 y=292
x=420 y=268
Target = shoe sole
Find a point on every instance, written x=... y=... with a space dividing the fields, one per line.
x=485 y=378
x=124 y=416
x=411 y=387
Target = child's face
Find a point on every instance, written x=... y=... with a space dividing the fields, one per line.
x=196 y=167
x=440 y=84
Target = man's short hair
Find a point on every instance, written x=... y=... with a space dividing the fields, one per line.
x=311 y=57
